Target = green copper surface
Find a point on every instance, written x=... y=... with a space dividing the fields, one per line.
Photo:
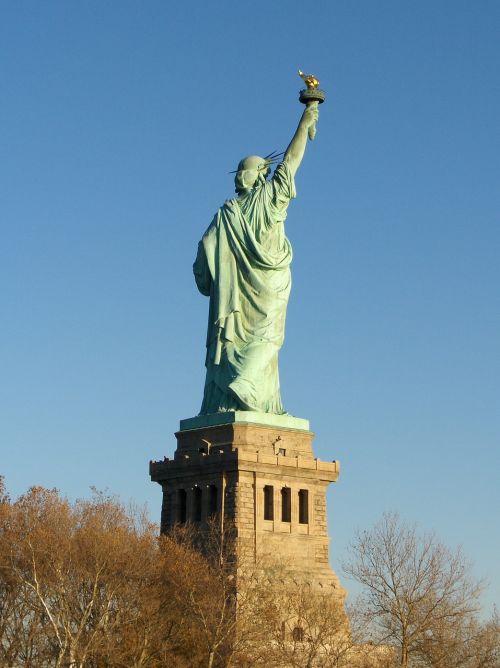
x=243 y=266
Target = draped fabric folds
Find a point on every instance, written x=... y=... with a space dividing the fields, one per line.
x=243 y=265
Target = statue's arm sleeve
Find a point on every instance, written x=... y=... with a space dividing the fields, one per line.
x=282 y=187
x=201 y=271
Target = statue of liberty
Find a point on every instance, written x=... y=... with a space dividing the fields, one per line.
x=243 y=266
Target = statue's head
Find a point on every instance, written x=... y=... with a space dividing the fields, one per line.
x=251 y=171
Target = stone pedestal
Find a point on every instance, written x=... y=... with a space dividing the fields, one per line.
x=259 y=473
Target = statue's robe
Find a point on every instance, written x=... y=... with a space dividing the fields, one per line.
x=243 y=265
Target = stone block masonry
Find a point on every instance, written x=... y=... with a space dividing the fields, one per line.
x=265 y=480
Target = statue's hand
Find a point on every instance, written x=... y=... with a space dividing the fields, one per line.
x=310 y=115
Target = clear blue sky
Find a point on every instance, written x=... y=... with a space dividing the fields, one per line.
x=119 y=124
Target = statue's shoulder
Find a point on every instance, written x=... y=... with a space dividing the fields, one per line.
x=283 y=183
x=282 y=171
x=230 y=206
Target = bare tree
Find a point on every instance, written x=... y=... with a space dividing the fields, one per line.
x=468 y=643
x=293 y=621
x=415 y=587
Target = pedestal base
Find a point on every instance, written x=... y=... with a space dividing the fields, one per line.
x=247 y=417
x=259 y=476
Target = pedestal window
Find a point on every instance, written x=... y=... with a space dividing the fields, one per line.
x=197 y=500
x=286 y=504
x=269 y=502
x=212 y=500
x=303 y=506
x=181 y=505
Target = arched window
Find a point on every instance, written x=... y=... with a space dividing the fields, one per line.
x=197 y=499
x=286 y=504
x=303 y=506
x=269 y=502
x=181 y=505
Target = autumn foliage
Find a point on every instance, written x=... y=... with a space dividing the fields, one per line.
x=90 y=584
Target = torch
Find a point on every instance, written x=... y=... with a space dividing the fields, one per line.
x=310 y=95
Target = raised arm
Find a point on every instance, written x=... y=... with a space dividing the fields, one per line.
x=295 y=151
